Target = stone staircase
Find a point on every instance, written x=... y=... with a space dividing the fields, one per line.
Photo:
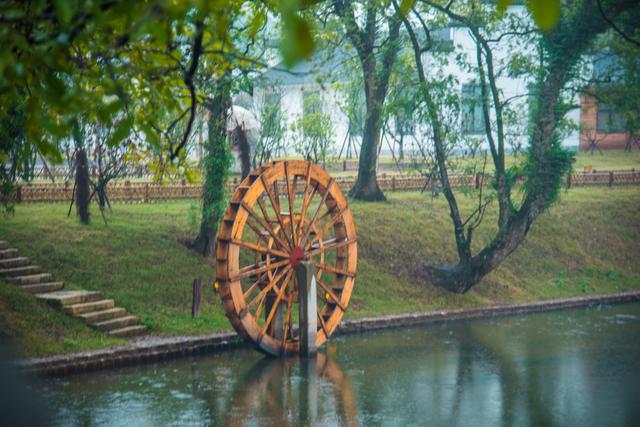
x=89 y=306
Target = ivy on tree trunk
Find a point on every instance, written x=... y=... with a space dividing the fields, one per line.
x=217 y=162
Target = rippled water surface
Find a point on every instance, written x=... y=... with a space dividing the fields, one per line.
x=578 y=367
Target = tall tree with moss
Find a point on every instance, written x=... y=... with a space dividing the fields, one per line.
x=562 y=48
x=216 y=164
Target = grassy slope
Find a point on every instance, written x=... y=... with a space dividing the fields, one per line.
x=587 y=243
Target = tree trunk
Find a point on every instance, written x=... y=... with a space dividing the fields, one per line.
x=217 y=161
x=240 y=140
x=82 y=186
x=366 y=185
x=468 y=272
x=376 y=71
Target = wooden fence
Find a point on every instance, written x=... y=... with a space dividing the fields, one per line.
x=141 y=192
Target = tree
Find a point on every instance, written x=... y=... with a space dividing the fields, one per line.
x=352 y=107
x=272 y=131
x=107 y=163
x=216 y=168
x=82 y=186
x=313 y=130
x=376 y=43
x=108 y=58
x=546 y=162
x=16 y=154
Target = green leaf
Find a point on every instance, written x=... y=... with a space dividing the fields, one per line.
x=405 y=6
x=63 y=10
x=150 y=135
x=297 y=42
x=546 y=13
x=48 y=150
x=503 y=5
x=121 y=132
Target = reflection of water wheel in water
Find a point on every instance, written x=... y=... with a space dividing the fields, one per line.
x=265 y=233
x=293 y=391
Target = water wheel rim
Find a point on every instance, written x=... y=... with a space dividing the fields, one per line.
x=321 y=211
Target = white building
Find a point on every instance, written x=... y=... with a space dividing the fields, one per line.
x=289 y=88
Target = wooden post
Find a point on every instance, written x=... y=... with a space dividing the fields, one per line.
x=146 y=193
x=568 y=180
x=344 y=166
x=610 y=178
x=478 y=182
x=393 y=183
x=307 y=310
x=197 y=293
x=18 y=193
x=184 y=186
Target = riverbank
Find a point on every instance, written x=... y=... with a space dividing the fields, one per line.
x=150 y=349
x=587 y=244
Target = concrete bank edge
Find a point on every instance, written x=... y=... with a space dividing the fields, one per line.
x=150 y=349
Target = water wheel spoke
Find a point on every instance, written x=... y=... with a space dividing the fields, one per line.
x=265 y=225
x=329 y=223
x=260 y=249
x=276 y=193
x=251 y=289
x=315 y=214
x=329 y=245
x=276 y=207
x=255 y=269
x=306 y=198
x=334 y=270
x=256 y=230
x=263 y=209
x=287 y=321
x=323 y=325
x=290 y=197
x=331 y=294
x=262 y=296
x=274 y=309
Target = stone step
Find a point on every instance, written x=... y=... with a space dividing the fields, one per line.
x=40 y=288
x=3 y=244
x=64 y=298
x=20 y=271
x=8 y=253
x=128 y=331
x=86 y=307
x=102 y=315
x=30 y=279
x=19 y=261
x=118 y=323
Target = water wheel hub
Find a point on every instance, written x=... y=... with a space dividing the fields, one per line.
x=295 y=256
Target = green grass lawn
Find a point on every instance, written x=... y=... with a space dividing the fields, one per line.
x=587 y=243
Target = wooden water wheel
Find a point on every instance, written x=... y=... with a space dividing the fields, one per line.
x=283 y=213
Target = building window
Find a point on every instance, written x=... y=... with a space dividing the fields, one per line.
x=609 y=120
x=472 y=114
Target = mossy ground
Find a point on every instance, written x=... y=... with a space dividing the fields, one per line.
x=587 y=243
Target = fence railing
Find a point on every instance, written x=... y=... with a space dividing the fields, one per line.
x=145 y=192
